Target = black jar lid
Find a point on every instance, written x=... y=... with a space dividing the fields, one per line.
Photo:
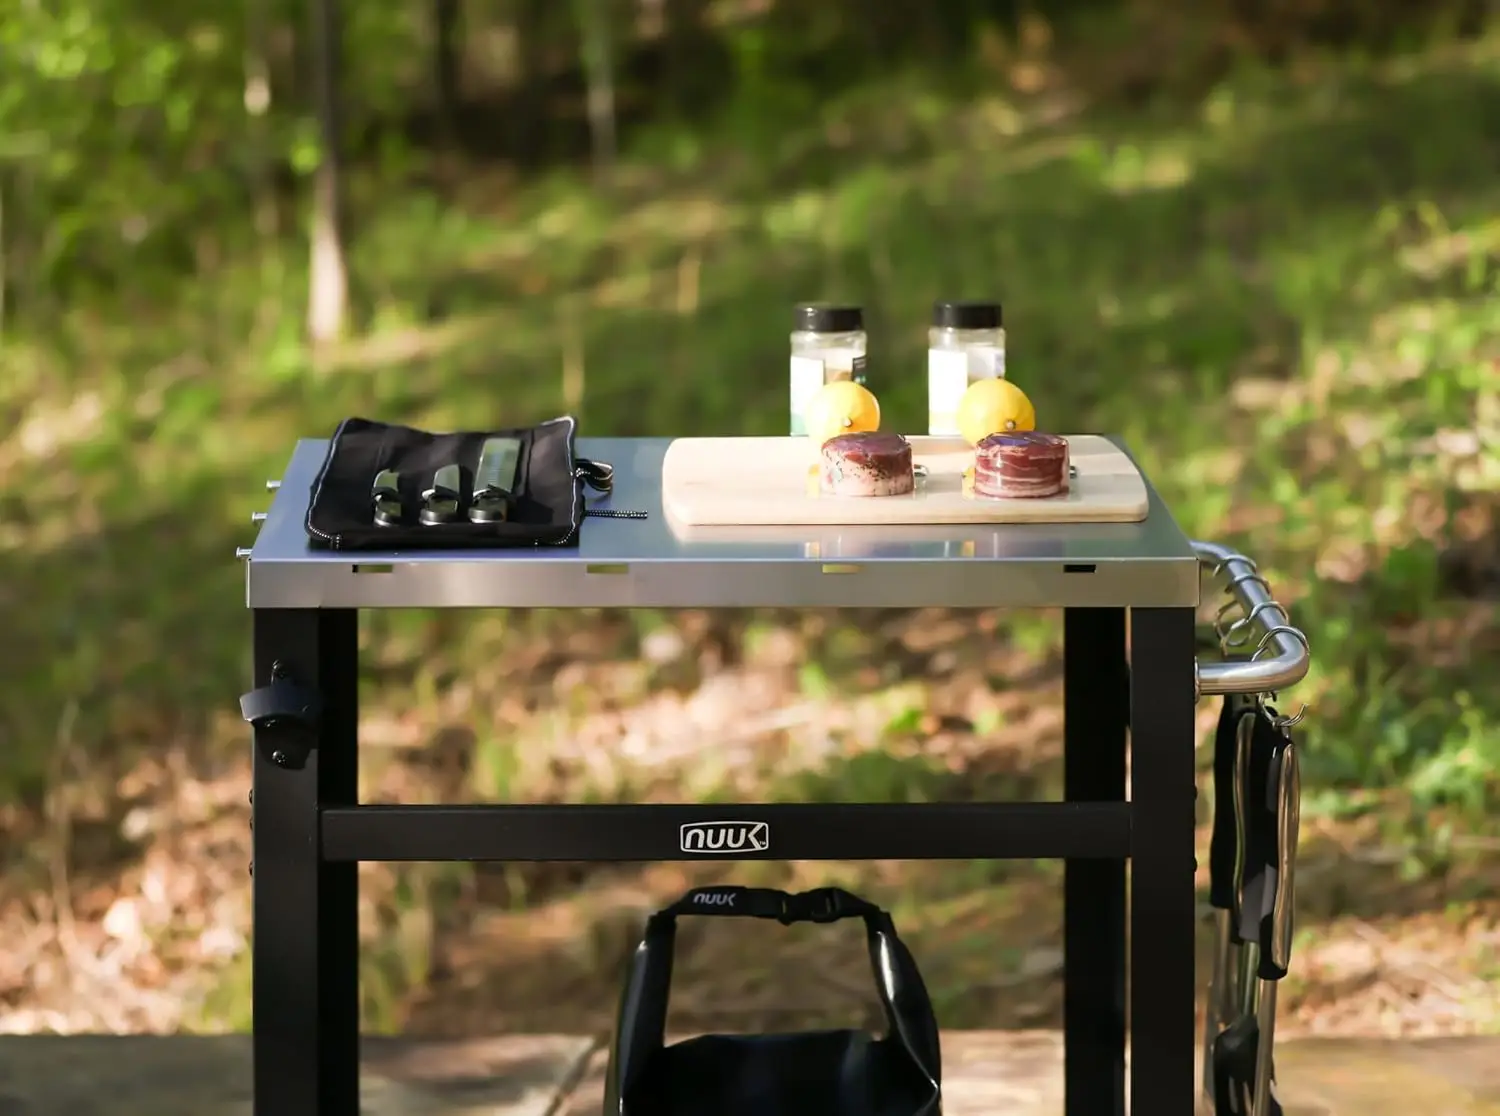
x=966 y=315
x=828 y=317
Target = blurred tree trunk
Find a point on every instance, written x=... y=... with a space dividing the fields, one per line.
x=259 y=160
x=681 y=19
x=257 y=107
x=596 y=28
x=447 y=65
x=528 y=123
x=4 y=255
x=328 y=291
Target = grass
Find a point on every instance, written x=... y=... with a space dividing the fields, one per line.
x=1283 y=297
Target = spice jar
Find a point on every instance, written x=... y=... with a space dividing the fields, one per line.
x=828 y=344
x=966 y=343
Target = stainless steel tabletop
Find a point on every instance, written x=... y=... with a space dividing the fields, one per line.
x=652 y=564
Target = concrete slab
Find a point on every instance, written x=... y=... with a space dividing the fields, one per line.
x=988 y=1073
x=106 y=1075
x=1352 y=1077
x=1473 y=1063
x=1011 y=1073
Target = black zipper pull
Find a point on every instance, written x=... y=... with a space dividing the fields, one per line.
x=598 y=475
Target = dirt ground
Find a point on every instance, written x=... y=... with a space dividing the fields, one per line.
x=128 y=906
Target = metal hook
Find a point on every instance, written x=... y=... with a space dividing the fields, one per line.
x=1240 y=579
x=1219 y=629
x=1271 y=633
x=1219 y=567
x=1244 y=623
x=1281 y=721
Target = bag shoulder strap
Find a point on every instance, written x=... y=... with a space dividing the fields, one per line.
x=643 y=1004
x=821 y=905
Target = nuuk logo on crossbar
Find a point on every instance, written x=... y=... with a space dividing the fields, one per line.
x=726 y=836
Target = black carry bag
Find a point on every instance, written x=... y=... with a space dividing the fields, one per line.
x=815 y=1073
x=379 y=483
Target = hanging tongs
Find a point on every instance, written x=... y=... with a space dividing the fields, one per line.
x=1226 y=858
x=1256 y=943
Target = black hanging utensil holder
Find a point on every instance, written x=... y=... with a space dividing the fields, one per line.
x=1256 y=938
x=1225 y=871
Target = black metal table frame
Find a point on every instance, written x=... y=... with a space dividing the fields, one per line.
x=311 y=832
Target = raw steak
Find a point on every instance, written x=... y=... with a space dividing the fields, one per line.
x=1027 y=465
x=867 y=464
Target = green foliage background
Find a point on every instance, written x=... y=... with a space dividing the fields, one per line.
x=1258 y=239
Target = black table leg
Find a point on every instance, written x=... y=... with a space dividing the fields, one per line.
x=306 y=942
x=1096 y=713
x=1162 y=901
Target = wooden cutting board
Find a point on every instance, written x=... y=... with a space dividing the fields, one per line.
x=768 y=481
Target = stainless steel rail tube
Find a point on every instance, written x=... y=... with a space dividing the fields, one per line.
x=1287 y=656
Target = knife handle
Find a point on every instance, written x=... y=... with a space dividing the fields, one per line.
x=491 y=503
x=443 y=499
x=385 y=498
x=492 y=506
x=1244 y=737
x=1222 y=848
x=495 y=479
x=1286 y=794
x=387 y=485
x=447 y=484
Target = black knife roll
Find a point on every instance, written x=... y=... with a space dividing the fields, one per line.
x=546 y=505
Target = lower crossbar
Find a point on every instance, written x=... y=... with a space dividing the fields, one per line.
x=923 y=831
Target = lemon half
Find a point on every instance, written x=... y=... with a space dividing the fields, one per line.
x=842 y=407
x=993 y=407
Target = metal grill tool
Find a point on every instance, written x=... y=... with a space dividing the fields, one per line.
x=495 y=480
x=1225 y=872
x=444 y=497
x=1252 y=856
x=385 y=498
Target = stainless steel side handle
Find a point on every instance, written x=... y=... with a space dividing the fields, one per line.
x=1283 y=655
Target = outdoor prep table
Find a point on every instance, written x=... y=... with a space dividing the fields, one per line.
x=1115 y=582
